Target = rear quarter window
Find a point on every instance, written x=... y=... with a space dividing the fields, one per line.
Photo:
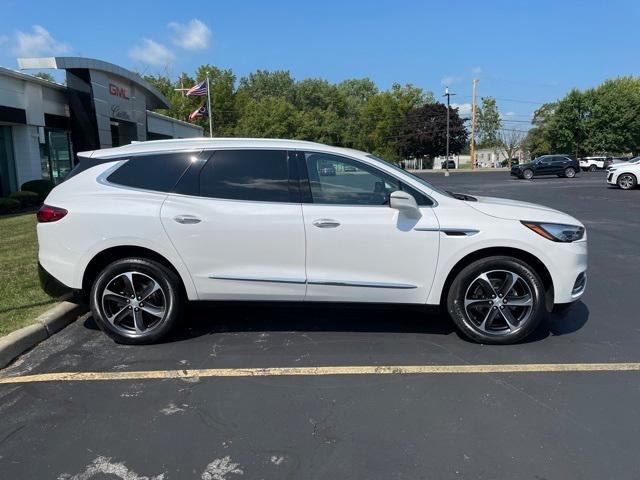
x=157 y=172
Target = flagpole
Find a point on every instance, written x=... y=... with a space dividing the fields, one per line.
x=209 y=107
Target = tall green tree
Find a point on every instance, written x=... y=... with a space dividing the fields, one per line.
x=488 y=123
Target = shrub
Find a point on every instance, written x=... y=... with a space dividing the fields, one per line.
x=26 y=199
x=9 y=205
x=41 y=187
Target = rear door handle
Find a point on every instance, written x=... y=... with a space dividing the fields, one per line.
x=326 y=223
x=187 y=219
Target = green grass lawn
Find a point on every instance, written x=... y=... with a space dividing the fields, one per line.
x=21 y=299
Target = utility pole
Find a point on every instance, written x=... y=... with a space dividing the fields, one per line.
x=473 y=124
x=448 y=95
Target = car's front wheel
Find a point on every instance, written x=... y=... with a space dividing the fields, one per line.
x=136 y=301
x=593 y=168
x=527 y=174
x=497 y=300
x=569 y=172
x=627 y=181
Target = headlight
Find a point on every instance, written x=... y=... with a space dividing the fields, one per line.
x=556 y=232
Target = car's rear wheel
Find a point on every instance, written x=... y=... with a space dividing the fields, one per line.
x=497 y=300
x=593 y=168
x=569 y=172
x=627 y=181
x=527 y=174
x=136 y=301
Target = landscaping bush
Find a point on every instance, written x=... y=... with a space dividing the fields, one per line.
x=26 y=199
x=41 y=187
x=9 y=205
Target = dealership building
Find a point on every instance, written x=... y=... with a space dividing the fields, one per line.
x=101 y=105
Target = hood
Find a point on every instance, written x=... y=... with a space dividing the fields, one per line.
x=521 y=165
x=516 y=210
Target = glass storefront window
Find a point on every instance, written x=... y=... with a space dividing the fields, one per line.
x=55 y=156
x=8 y=182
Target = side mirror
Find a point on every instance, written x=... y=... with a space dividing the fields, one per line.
x=405 y=203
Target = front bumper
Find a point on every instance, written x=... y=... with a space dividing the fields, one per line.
x=50 y=284
x=610 y=179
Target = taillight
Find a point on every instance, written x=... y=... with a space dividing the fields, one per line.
x=47 y=214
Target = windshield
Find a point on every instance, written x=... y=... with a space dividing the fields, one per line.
x=415 y=177
x=635 y=160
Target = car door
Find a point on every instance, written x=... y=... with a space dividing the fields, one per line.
x=358 y=248
x=545 y=166
x=236 y=221
x=558 y=164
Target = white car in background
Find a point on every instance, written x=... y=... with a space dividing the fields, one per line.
x=625 y=175
x=145 y=227
x=593 y=163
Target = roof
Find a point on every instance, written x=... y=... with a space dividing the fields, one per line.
x=204 y=142
x=154 y=100
x=9 y=72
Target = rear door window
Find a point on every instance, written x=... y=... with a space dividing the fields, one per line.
x=250 y=175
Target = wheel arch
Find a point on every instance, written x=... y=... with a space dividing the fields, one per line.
x=108 y=255
x=530 y=259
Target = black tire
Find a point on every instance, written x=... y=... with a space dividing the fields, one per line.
x=469 y=320
x=570 y=172
x=165 y=302
x=627 y=181
x=593 y=168
x=527 y=174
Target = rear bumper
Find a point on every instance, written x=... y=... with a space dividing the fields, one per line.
x=50 y=284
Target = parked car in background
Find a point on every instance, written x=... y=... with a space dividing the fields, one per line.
x=560 y=165
x=625 y=175
x=592 y=164
x=450 y=164
x=328 y=171
x=143 y=228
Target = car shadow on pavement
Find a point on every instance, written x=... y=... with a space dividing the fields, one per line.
x=210 y=318
x=558 y=324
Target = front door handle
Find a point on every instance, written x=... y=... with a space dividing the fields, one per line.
x=326 y=223
x=187 y=219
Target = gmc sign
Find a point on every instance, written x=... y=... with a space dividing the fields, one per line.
x=117 y=91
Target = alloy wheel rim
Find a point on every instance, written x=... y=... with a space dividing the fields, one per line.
x=570 y=173
x=134 y=303
x=625 y=181
x=498 y=302
x=528 y=174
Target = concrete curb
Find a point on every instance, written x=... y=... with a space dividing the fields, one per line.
x=50 y=322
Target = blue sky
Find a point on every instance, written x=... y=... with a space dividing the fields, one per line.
x=527 y=51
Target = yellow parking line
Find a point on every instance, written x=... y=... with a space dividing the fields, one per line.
x=321 y=371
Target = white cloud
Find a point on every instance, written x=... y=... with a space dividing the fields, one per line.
x=464 y=109
x=152 y=53
x=38 y=43
x=3 y=39
x=194 y=35
x=476 y=70
x=446 y=81
x=510 y=114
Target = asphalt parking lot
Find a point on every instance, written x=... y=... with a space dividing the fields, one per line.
x=530 y=425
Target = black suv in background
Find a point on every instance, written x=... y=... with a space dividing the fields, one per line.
x=560 y=165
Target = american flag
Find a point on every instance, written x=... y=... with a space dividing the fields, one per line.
x=198 y=90
x=199 y=113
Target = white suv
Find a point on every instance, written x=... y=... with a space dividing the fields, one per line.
x=144 y=227
x=625 y=174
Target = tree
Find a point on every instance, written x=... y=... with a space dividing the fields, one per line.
x=268 y=117
x=488 y=123
x=45 y=76
x=264 y=83
x=509 y=142
x=424 y=132
x=536 y=141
